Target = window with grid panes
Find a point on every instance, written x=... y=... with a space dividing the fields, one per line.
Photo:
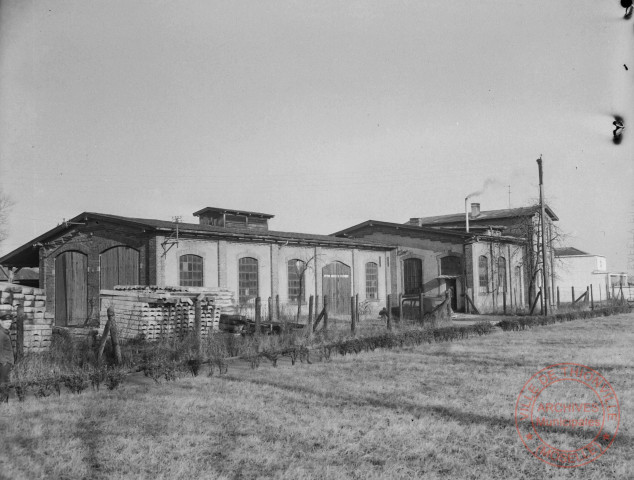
x=371 y=281
x=293 y=280
x=247 y=279
x=483 y=274
x=191 y=271
x=502 y=274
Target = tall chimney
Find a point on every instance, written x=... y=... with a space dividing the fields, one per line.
x=475 y=210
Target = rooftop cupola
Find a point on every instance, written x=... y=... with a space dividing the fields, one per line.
x=224 y=217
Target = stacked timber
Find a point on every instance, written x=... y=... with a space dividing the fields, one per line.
x=155 y=313
x=38 y=325
x=223 y=298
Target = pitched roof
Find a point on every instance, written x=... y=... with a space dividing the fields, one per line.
x=484 y=216
x=25 y=255
x=405 y=229
x=213 y=230
x=569 y=252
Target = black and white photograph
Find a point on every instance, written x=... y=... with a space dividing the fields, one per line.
x=292 y=239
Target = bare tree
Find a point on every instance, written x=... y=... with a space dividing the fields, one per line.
x=302 y=266
x=529 y=228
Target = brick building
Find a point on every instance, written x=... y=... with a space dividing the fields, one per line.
x=228 y=248
x=235 y=250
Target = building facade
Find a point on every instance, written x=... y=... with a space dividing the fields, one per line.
x=485 y=267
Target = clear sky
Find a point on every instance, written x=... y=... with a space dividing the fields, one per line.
x=325 y=114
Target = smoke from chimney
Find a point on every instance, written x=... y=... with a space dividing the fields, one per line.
x=487 y=183
x=475 y=210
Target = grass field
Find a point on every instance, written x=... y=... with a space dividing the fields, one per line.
x=437 y=411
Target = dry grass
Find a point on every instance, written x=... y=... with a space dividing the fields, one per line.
x=437 y=411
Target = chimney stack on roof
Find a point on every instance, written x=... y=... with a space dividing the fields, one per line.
x=475 y=210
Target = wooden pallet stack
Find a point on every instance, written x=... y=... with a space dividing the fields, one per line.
x=157 y=313
x=38 y=325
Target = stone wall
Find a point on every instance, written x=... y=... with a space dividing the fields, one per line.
x=38 y=325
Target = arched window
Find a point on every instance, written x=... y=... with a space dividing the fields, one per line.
x=247 y=279
x=483 y=273
x=371 y=281
x=296 y=269
x=413 y=276
x=190 y=271
x=502 y=274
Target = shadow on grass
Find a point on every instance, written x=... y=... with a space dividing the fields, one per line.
x=472 y=358
x=416 y=410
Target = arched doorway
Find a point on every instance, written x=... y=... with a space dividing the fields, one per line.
x=336 y=283
x=71 y=288
x=118 y=266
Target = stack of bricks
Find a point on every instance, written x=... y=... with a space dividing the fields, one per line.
x=38 y=325
x=157 y=313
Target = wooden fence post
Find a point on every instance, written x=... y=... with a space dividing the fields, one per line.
x=257 y=316
x=537 y=297
x=421 y=308
x=270 y=307
x=504 y=301
x=558 y=298
x=448 y=300
x=389 y=312
x=104 y=336
x=587 y=294
x=277 y=307
x=325 y=327
x=353 y=315
x=591 y=298
x=541 y=302
x=19 y=340
x=198 y=315
x=612 y=290
x=356 y=308
x=573 y=295
x=114 y=335
x=309 y=326
x=400 y=307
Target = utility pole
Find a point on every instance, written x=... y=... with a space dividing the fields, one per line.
x=543 y=239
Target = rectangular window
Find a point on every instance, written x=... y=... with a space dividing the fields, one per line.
x=483 y=274
x=247 y=279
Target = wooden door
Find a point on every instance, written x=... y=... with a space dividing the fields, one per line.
x=71 y=289
x=412 y=276
x=119 y=266
x=337 y=286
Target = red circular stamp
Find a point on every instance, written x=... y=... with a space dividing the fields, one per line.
x=567 y=415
